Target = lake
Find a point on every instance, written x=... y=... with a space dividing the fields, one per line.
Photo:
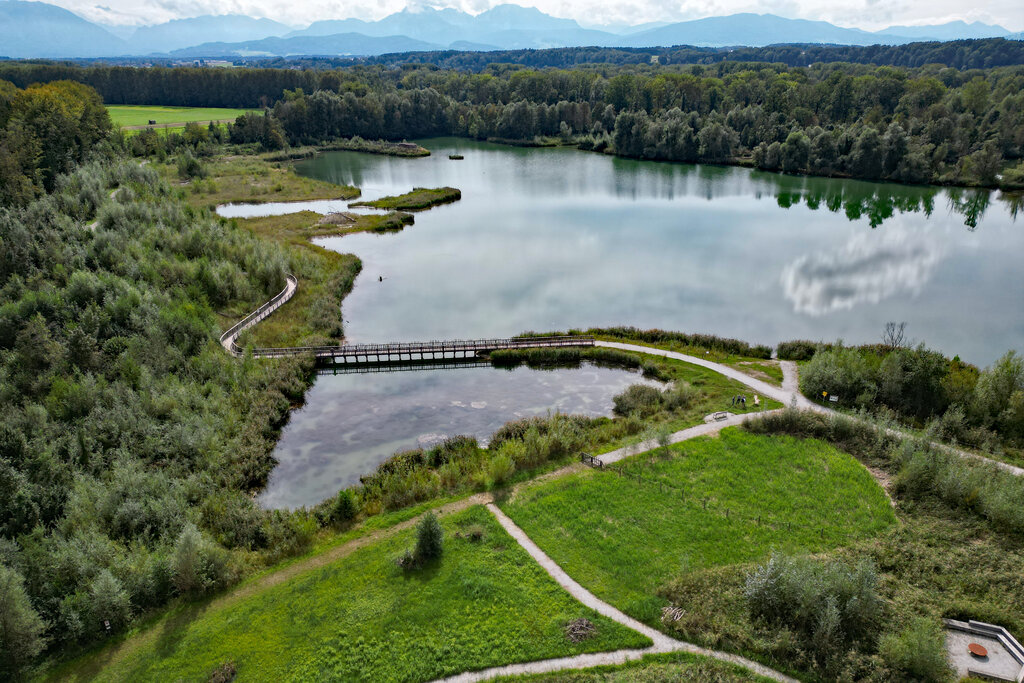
x=351 y=423
x=549 y=239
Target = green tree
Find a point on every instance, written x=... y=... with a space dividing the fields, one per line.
x=795 y=152
x=110 y=601
x=21 y=628
x=429 y=539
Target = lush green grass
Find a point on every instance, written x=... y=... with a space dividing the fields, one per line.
x=420 y=198
x=141 y=115
x=602 y=527
x=675 y=666
x=483 y=604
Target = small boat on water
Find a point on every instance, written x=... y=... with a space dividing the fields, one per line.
x=456 y=157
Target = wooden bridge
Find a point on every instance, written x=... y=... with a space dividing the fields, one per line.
x=401 y=353
x=418 y=352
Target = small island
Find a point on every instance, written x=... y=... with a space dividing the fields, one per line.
x=419 y=199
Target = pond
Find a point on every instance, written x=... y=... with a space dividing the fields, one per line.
x=548 y=239
x=353 y=422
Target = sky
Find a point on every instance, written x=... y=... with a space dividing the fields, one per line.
x=864 y=14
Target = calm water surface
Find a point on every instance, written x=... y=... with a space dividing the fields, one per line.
x=351 y=423
x=547 y=239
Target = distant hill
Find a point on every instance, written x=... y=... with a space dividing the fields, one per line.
x=340 y=44
x=36 y=29
x=954 y=30
x=755 y=30
x=181 y=33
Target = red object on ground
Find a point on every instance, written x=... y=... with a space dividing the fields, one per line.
x=977 y=650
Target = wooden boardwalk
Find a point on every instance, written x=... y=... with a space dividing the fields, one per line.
x=418 y=352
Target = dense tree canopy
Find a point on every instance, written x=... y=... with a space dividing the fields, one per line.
x=44 y=131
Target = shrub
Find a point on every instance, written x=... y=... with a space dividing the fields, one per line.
x=831 y=604
x=797 y=350
x=429 y=539
x=681 y=395
x=918 y=651
x=639 y=398
x=499 y=469
x=345 y=508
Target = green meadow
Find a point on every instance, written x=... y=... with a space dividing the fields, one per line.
x=702 y=503
x=141 y=115
x=484 y=603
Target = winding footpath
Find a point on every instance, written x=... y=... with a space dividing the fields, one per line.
x=661 y=642
x=788 y=394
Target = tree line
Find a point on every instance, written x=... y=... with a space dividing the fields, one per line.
x=913 y=126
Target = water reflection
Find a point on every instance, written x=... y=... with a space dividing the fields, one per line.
x=554 y=238
x=353 y=422
x=865 y=270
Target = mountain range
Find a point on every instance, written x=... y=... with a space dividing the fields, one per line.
x=37 y=29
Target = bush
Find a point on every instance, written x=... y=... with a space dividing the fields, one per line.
x=429 y=539
x=500 y=468
x=681 y=395
x=797 y=350
x=918 y=652
x=345 y=508
x=639 y=398
x=833 y=605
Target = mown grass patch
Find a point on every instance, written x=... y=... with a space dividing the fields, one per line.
x=760 y=494
x=419 y=199
x=674 y=666
x=141 y=115
x=484 y=603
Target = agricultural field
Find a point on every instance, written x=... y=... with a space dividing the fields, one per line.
x=364 y=618
x=702 y=503
x=141 y=115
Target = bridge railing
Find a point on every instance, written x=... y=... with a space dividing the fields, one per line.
x=436 y=346
x=227 y=339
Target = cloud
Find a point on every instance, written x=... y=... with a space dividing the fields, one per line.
x=867 y=269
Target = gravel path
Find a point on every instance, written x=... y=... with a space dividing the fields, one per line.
x=661 y=642
x=789 y=393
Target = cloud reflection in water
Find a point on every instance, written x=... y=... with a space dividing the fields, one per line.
x=868 y=268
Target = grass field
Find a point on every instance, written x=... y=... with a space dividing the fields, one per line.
x=603 y=528
x=419 y=199
x=676 y=666
x=141 y=115
x=483 y=604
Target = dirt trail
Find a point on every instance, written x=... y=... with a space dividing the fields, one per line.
x=661 y=642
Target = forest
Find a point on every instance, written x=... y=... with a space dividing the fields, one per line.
x=128 y=439
x=915 y=125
